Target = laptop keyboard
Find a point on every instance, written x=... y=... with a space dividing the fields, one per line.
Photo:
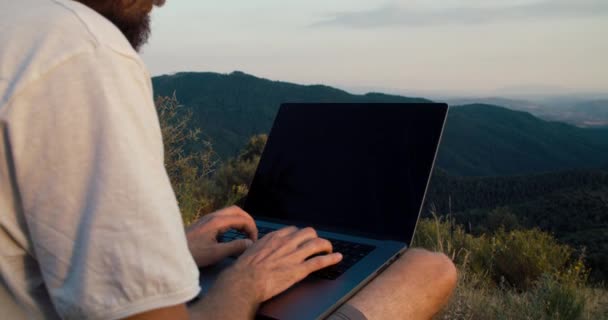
x=352 y=252
x=235 y=234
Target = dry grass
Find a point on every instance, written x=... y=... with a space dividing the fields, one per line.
x=475 y=299
x=482 y=293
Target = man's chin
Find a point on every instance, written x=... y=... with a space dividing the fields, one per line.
x=139 y=42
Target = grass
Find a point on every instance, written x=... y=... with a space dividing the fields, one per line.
x=473 y=299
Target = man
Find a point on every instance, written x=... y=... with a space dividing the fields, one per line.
x=89 y=224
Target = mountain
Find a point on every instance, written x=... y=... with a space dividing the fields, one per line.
x=231 y=108
x=513 y=104
x=490 y=140
x=479 y=139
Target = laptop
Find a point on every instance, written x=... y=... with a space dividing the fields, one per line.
x=358 y=174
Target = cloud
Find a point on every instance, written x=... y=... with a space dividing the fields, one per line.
x=414 y=16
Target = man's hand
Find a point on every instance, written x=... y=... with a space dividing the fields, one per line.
x=202 y=235
x=270 y=266
x=281 y=259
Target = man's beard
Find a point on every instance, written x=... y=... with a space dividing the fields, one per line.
x=136 y=29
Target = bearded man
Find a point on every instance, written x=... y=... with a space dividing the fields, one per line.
x=89 y=225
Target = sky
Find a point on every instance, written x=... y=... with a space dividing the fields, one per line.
x=454 y=47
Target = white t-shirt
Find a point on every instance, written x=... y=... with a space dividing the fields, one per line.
x=89 y=224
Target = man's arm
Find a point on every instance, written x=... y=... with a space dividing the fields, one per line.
x=101 y=217
x=415 y=287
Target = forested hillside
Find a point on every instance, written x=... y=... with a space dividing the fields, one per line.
x=484 y=140
x=479 y=139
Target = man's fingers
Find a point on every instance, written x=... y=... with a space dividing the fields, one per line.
x=319 y=262
x=234 y=211
x=313 y=247
x=284 y=231
x=295 y=239
x=302 y=236
x=225 y=223
x=235 y=247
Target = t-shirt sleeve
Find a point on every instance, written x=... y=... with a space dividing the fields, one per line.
x=100 y=210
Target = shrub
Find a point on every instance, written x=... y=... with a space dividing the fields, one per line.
x=470 y=253
x=523 y=256
x=501 y=218
x=231 y=181
x=189 y=172
x=517 y=258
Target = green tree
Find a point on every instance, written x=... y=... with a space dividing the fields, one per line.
x=232 y=180
x=501 y=217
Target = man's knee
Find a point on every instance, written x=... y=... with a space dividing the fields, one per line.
x=416 y=286
x=436 y=268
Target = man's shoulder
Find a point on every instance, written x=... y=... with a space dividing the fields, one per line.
x=67 y=22
x=39 y=35
x=95 y=27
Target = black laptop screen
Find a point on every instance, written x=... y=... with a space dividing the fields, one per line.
x=361 y=168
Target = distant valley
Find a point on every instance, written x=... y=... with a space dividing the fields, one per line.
x=581 y=112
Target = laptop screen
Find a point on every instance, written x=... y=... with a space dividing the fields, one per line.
x=357 y=168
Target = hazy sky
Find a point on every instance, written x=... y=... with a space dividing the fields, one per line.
x=451 y=46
